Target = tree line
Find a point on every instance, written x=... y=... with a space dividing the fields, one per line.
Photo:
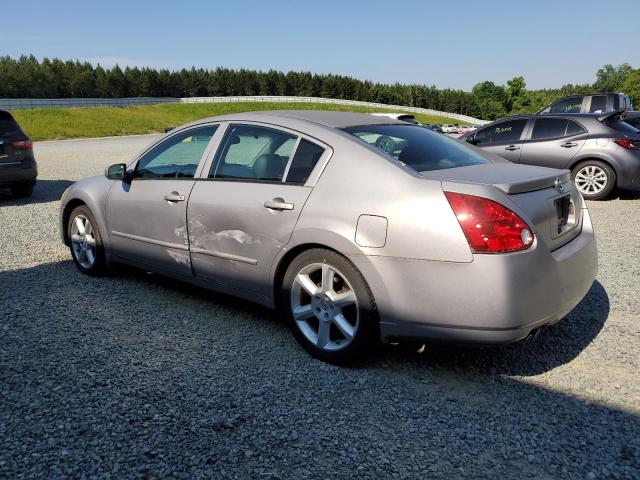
x=28 y=77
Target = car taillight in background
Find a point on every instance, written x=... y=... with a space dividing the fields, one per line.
x=22 y=145
x=630 y=144
x=489 y=226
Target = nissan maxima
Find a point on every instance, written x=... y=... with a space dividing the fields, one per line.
x=359 y=229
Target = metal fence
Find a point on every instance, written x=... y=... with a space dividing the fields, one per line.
x=30 y=103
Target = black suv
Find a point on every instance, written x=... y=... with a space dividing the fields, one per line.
x=589 y=103
x=18 y=168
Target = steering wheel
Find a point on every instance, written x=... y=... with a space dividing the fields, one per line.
x=386 y=144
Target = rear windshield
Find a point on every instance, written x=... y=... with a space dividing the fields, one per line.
x=7 y=123
x=418 y=148
x=622 y=126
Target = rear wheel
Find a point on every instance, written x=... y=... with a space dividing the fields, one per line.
x=329 y=307
x=22 y=190
x=594 y=179
x=86 y=245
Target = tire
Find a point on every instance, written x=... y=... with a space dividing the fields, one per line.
x=22 y=190
x=323 y=321
x=588 y=176
x=94 y=263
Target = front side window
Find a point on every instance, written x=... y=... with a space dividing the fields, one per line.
x=509 y=131
x=176 y=157
x=417 y=147
x=254 y=153
x=567 y=105
x=598 y=104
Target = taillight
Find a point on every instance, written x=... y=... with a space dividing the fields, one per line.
x=489 y=226
x=630 y=144
x=22 y=145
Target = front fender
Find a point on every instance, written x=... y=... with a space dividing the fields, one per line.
x=92 y=192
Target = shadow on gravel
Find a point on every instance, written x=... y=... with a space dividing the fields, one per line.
x=45 y=191
x=551 y=347
x=140 y=376
x=629 y=195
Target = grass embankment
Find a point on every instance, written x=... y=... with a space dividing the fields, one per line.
x=60 y=123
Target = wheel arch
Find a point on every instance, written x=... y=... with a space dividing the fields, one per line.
x=66 y=213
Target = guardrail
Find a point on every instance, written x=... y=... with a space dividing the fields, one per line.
x=31 y=103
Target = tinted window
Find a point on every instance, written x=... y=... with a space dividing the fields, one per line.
x=7 y=123
x=567 y=105
x=304 y=160
x=176 y=157
x=598 y=104
x=253 y=153
x=549 y=128
x=418 y=147
x=501 y=132
x=574 y=128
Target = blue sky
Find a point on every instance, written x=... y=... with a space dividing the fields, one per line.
x=447 y=43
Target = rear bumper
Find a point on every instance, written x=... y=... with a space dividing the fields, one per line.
x=628 y=169
x=492 y=300
x=23 y=172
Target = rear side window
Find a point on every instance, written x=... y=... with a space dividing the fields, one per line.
x=547 y=128
x=574 y=128
x=598 y=104
x=304 y=161
x=501 y=132
x=567 y=105
x=417 y=147
x=7 y=123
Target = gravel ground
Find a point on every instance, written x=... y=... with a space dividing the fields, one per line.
x=135 y=375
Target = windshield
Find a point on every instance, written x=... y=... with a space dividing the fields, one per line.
x=7 y=124
x=418 y=148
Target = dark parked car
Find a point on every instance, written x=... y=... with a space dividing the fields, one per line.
x=433 y=127
x=602 y=151
x=590 y=103
x=18 y=168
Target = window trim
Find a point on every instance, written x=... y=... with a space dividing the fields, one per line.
x=212 y=155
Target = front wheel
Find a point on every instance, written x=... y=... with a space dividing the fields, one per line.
x=594 y=179
x=329 y=307
x=86 y=245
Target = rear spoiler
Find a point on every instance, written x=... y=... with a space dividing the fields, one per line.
x=615 y=115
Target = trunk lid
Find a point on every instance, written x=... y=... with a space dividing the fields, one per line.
x=546 y=196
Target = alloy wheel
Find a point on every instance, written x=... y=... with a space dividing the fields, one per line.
x=324 y=306
x=83 y=241
x=591 y=180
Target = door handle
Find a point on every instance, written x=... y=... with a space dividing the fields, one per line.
x=278 y=204
x=569 y=144
x=174 y=197
x=511 y=148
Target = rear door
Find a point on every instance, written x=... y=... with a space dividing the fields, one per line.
x=503 y=138
x=243 y=212
x=553 y=142
x=147 y=216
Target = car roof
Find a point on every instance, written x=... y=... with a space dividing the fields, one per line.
x=322 y=117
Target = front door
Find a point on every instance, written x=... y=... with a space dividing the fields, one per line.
x=503 y=139
x=146 y=216
x=243 y=214
x=554 y=142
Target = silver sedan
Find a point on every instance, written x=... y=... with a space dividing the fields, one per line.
x=358 y=228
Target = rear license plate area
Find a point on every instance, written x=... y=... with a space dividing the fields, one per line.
x=565 y=214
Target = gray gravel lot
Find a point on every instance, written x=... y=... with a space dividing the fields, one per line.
x=135 y=375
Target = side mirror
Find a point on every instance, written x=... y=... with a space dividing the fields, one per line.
x=116 y=172
x=471 y=139
x=168 y=129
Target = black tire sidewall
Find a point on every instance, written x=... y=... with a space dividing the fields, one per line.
x=99 y=266
x=611 y=178
x=367 y=335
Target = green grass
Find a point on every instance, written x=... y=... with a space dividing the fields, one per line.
x=61 y=123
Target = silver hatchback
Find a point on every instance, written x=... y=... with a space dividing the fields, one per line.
x=357 y=228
